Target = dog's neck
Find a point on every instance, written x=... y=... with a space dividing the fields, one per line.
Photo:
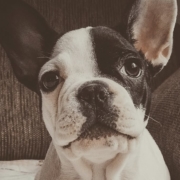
x=117 y=168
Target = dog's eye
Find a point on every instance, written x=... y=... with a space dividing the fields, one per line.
x=49 y=81
x=132 y=68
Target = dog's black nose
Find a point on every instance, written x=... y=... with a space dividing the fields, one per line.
x=93 y=93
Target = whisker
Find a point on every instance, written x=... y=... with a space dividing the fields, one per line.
x=154 y=120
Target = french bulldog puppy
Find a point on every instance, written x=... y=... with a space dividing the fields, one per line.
x=95 y=87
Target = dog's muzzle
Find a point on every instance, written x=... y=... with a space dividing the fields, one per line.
x=96 y=104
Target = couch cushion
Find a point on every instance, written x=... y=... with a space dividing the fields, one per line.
x=165 y=110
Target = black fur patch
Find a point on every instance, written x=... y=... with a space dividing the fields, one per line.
x=112 y=51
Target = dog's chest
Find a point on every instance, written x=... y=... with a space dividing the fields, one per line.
x=69 y=173
x=144 y=164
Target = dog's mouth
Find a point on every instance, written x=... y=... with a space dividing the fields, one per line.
x=98 y=131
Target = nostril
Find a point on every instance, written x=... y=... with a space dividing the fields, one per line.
x=102 y=95
x=87 y=94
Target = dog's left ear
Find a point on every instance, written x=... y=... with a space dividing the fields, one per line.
x=150 y=28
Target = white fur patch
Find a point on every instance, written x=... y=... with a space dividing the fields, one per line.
x=73 y=58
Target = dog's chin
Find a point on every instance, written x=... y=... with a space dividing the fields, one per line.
x=99 y=144
x=97 y=132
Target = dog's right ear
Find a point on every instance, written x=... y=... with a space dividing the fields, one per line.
x=152 y=29
x=27 y=40
x=149 y=26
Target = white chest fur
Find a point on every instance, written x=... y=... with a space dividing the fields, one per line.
x=145 y=163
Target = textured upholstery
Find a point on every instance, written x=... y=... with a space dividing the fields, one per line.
x=22 y=132
x=166 y=110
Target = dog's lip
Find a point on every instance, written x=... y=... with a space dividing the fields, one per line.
x=112 y=129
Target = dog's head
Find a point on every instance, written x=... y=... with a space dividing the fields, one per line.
x=95 y=87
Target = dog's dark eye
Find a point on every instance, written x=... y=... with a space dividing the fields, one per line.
x=132 y=68
x=49 y=81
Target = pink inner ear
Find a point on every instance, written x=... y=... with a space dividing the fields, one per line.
x=149 y=52
x=155 y=41
x=166 y=52
x=154 y=53
x=153 y=29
